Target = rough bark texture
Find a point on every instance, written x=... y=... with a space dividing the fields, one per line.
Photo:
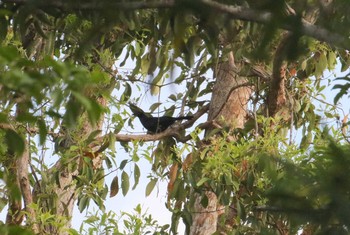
x=205 y=219
x=23 y=178
x=19 y=176
x=15 y=205
x=277 y=99
x=227 y=108
x=230 y=96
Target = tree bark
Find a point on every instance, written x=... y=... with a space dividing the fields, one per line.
x=230 y=96
x=24 y=183
x=228 y=108
x=19 y=178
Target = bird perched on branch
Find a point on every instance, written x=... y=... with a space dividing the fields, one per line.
x=155 y=124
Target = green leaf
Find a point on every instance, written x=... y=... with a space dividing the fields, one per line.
x=14 y=142
x=204 y=200
x=332 y=60
x=202 y=181
x=145 y=64
x=83 y=203
x=14 y=230
x=173 y=97
x=95 y=112
x=112 y=140
x=225 y=198
x=306 y=140
x=190 y=52
x=241 y=210
x=323 y=60
x=204 y=153
x=125 y=183
x=303 y=65
x=122 y=164
x=328 y=115
x=71 y=231
x=9 y=53
x=114 y=187
x=137 y=49
x=43 y=18
x=154 y=106
x=297 y=106
x=125 y=58
x=127 y=92
x=92 y=136
x=73 y=109
x=150 y=186
x=137 y=174
x=3 y=28
x=321 y=65
x=42 y=131
x=343 y=89
x=157 y=81
x=82 y=99
x=39 y=29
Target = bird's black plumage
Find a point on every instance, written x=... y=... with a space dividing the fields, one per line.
x=155 y=124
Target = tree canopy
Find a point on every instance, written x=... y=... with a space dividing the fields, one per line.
x=249 y=73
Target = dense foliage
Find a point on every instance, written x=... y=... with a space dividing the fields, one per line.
x=65 y=93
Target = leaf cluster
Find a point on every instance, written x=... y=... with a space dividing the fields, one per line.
x=314 y=191
x=55 y=65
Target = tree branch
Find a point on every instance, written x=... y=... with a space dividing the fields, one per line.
x=265 y=17
x=173 y=131
x=236 y=12
x=276 y=97
x=96 y=5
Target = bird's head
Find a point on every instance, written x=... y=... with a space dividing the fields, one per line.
x=136 y=110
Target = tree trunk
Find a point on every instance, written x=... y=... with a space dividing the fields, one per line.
x=228 y=108
x=19 y=179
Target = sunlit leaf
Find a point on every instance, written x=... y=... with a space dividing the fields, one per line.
x=125 y=183
x=150 y=186
x=156 y=83
x=303 y=65
x=145 y=64
x=202 y=181
x=332 y=60
x=137 y=174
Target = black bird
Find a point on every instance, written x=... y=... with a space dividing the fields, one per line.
x=155 y=124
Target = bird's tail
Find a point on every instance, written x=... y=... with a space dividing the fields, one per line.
x=184 y=117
